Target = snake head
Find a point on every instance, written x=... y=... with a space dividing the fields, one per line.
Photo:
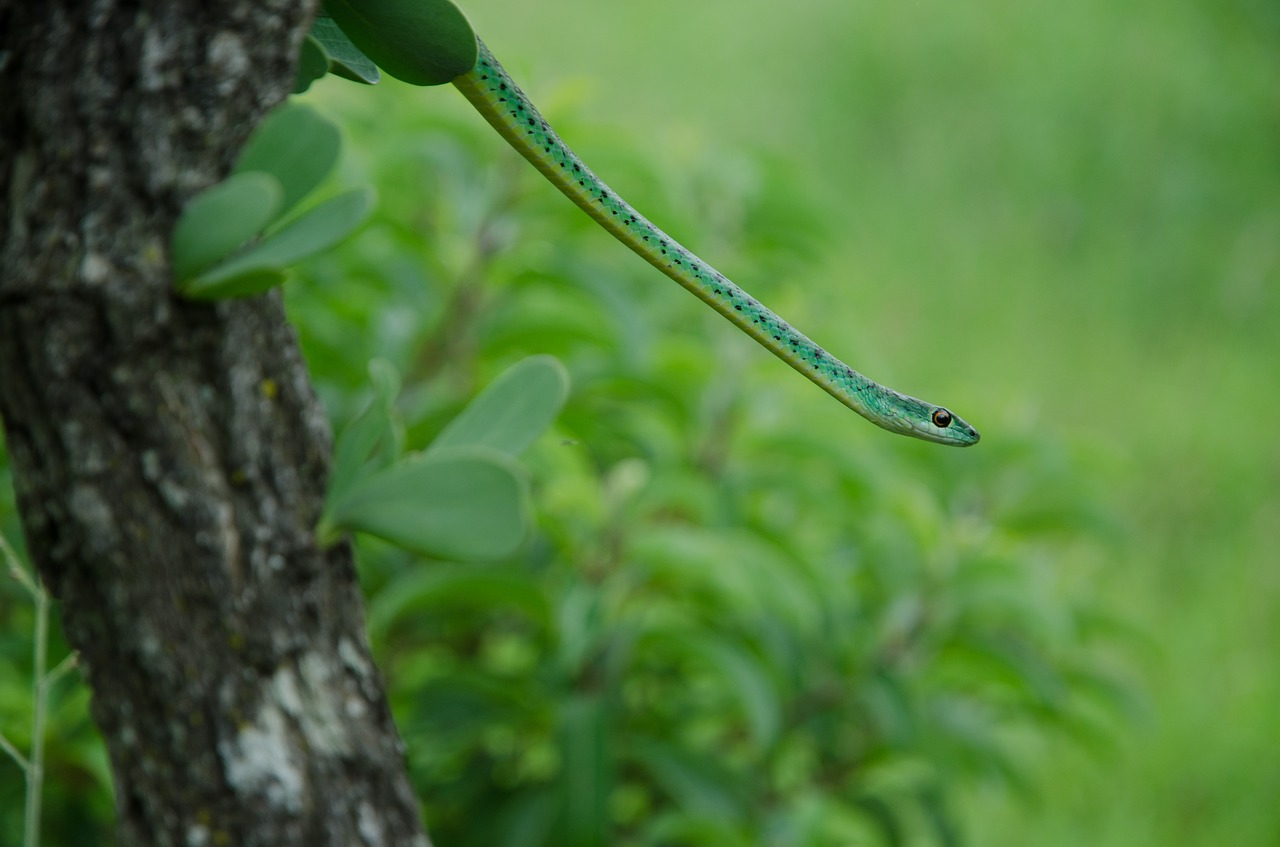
x=943 y=426
x=919 y=419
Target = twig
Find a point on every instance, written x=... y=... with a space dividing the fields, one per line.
x=42 y=682
x=59 y=670
x=16 y=570
x=8 y=747
x=40 y=695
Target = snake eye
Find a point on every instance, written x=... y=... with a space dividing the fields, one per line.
x=941 y=418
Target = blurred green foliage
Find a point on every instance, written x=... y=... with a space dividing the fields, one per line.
x=732 y=627
x=745 y=616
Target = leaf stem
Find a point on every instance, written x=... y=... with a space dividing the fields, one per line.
x=41 y=683
x=40 y=697
x=7 y=746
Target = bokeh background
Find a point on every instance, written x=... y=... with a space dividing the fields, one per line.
x=747 y=616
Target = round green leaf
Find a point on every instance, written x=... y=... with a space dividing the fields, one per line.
x=345 y=59
x=247 y=284
x=295 y=145
x=312 y=64
x=220 y=219
x=466 y=505
x=421 y=42
x=513 y=410
x=314 y=231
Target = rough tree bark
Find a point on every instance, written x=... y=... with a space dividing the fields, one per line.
x=170 y=458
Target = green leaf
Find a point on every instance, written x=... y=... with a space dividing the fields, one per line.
x=220 y=219
x=578 y=625
x=345 y=59
x=312 y=64
x=754 y=690
x=884 y=816
x=295 y=145
x=251 y=283
x=421 y=42
x=513 y=410
x=369 y=443
x=587 y=775
x=526 y=820
x=312 y=232
x=747 y=676
x=933 y=802
x=995 y=661
x=892 y=716
x=386 y=388
x=696 y=783
x=465 y=504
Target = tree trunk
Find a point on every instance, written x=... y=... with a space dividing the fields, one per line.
x=170 y=458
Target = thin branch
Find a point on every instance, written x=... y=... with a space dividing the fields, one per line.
x=60 y=670
x=40 y=695
x=8 y=747
x=16 y=570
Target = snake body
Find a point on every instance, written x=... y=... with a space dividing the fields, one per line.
x=491 y=90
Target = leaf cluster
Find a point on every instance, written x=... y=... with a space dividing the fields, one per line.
x=237 y=238
x=463 y=498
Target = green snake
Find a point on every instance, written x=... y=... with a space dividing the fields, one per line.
x=506 y=107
